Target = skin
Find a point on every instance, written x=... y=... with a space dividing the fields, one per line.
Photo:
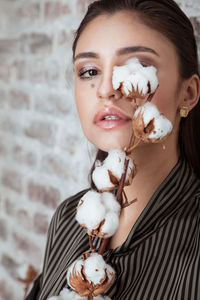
x=93 y=91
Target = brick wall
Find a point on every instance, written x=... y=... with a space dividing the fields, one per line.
x=43 y=154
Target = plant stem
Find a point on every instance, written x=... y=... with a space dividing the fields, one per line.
x=90 y=297
x=128 y=151
x=91 y=244
x=119 y=197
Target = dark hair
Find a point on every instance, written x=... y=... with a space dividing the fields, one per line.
x=166 y=17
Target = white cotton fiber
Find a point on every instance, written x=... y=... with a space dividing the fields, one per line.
x=149 y=111
x=134 y=65
x=101 y=178
x=66 y=294
x=115 y=162
x=139 y=82
x=90 y=211
x=162 y=126
x=111 y=224
x=150 y=72
x=134 y=75
x=95 y=269
x=119 y=75
x=110 y=203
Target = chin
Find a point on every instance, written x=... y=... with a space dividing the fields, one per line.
x=107 y=144
x=111 y=139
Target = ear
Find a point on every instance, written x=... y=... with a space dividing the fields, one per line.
x=191 y=92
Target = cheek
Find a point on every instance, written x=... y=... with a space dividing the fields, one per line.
x=85 y=102
x=166 y=97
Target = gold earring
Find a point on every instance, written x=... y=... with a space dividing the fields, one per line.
x=184 y=111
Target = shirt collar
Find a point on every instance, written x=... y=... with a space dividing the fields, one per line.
x=177 y=187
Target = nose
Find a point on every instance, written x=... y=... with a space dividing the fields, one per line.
x=105 y=89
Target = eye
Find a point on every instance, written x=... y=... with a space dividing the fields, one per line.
x=144 y=63
x=88 y=73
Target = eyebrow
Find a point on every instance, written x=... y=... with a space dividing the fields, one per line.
x=134 y=49
x=86 y=55
x=121 y=51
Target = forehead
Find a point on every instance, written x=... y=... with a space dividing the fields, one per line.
x=122 y=29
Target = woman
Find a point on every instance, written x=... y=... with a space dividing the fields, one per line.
x=155 y=251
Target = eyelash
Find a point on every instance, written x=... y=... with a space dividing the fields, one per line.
x=84 y=71
x=144 y=64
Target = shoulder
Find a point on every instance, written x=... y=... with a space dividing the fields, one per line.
x=70 y=202
x=197 y=197
x=62 y=218
x=66 y=208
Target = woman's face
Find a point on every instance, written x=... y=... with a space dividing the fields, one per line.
x=108 y=41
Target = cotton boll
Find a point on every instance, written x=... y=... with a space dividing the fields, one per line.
x=93 y=213
x=107 y=176
x=149 y=112
x=111 y=224
x=134 y=80
x=162 y=127
x=90 y=211
x=127 y=87
x=95 y=276
x=69 y=271
x=77 y=265
x=115 y=161
x=110 y=202
x=66 y=294
x=150 y=74
x=139 y=82
x=101 y=179
x=95 y=268
x=119 y=75
x=134 y=65
x=149 y=125
x=111 y=219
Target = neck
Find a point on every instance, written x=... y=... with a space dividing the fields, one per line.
x=153 y=162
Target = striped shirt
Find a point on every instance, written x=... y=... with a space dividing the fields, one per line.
x=160 y=258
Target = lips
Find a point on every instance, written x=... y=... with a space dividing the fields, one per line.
x=110 y=111
x=121 y=118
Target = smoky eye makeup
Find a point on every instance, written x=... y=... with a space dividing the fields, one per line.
x=88 y=72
